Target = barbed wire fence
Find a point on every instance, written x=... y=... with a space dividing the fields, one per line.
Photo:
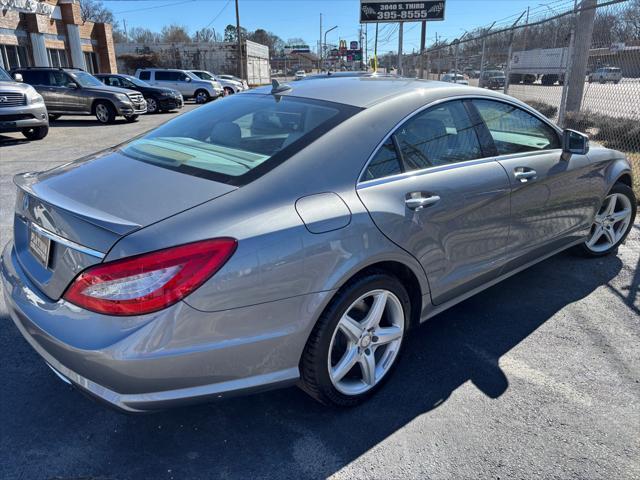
x=576 y=61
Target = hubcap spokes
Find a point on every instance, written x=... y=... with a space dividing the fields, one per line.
x=366 y=342
x=610 y=223
x=102 y=113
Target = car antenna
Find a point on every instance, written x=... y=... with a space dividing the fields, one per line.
x=277 y=87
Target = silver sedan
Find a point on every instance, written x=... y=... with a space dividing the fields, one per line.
x=295 y=235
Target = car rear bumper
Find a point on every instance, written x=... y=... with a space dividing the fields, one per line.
x=14 y=119
x=174 y=357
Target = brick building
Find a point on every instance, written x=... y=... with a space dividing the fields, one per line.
x=52 y=33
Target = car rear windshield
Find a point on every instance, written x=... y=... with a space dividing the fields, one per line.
x=239 y=138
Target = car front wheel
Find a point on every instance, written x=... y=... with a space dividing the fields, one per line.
x=152 y=105
x=201 y=96
x=36 y=133
x=105 y=112
x=612 y=222
x=356 y=342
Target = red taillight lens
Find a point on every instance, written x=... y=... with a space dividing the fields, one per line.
x=149 y=282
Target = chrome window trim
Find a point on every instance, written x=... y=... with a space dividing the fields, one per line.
x=67 y=243
x=360 y=183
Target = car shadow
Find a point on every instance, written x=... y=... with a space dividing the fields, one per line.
x=285 y=434
x=6 y=140
x=86 y=122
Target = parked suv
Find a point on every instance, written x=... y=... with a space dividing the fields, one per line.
x=22 y=109
x=188 y=84
x=158 y=98
x=492 y=79
x=606 y=74
x=230 y=86
x=243 y=83
x=69 y=91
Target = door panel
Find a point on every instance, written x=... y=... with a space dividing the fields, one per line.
x=550 y=196
x=460 y=240
x=452 y=212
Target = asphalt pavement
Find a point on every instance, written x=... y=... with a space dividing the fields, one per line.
x=537 y=377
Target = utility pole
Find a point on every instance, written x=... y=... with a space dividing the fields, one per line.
x=375 y=51
x=320 y=47
x=240 y=63
x=366 y=45
x=400 y=30
x=526 y=27
x=439 y=55
x=484 y=40
x=324 y=45
x=423 y=39
x=507 y=74
x=360 y=42
x=579 y=53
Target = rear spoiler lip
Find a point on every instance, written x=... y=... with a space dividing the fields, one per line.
x=119 y=226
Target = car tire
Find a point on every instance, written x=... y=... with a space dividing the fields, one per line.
x=131 y=118
x=228 y=91
x=36 y=133
x=201 y=96
x=105 y=112
x=334 y=363
x=53 y=117
x=152 y=105
x=612 y=224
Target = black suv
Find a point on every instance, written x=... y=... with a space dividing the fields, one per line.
x=70 y=91
x=158 y=98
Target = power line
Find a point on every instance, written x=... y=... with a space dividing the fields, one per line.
x=151 y=8
x=218 y=14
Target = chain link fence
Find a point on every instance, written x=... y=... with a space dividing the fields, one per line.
x=576 y=61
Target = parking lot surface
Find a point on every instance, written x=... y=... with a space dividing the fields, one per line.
x=537 y=377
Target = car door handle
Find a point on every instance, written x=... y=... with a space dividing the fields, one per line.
x=418 y=203
x=524 y=175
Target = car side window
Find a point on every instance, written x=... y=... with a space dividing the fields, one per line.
x=114 y=82
x=167 y=76
x=145 y=76
x=440 y=135
x=384 y=163
x=514 y=130
x=35 y=77
x=58 y=79
x=183 y=77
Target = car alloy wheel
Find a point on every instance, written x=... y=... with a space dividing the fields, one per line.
x=152 y=105
x=365 y=342
x=202 y=96
x=611 y=223
x=104 y=113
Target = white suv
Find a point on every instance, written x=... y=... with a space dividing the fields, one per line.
x=188 y=84
x=606 y=74
x=230 y=86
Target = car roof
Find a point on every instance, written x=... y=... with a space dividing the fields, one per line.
x=365 y=92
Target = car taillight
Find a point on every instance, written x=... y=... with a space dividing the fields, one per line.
x=149 y=282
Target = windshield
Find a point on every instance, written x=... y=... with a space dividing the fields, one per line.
x=86 y=80
x=239 y=139
x=136 y=81
x=4 y=76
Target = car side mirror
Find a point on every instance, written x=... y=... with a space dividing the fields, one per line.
x=18 y=77
x=574 y=142
x=72 y=85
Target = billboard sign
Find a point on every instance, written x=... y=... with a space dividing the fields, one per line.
x=382 y=11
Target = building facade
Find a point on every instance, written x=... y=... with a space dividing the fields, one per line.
x=51 y=33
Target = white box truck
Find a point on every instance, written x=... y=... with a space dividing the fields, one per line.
x=547 y=64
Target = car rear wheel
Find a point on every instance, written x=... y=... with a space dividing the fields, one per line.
x=228 y=91
x=356 y=342
x=105 y=112
x=36 y=133
x=612 y=222
x=201 y=96
x=152 y=105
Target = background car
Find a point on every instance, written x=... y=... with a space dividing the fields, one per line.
x=300 y=74
x=229 y=86
x=492 y=79
x=185 y=82
x=455 y=78
x=70 y=91
x=606 y=74
x=295 y=235
x=158 y=98
x=243 y=83
x=22 y=109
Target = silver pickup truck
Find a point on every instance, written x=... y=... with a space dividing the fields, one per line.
x=22 y=109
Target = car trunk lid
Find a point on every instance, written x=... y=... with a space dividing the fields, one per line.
x=78 y=211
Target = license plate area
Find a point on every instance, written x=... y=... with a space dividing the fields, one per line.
x=40 y=247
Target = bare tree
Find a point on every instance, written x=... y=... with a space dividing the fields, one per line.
x=143 y=35
x=205 y=35
x=175 y=34
x=95 y=11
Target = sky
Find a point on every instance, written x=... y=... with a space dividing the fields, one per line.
x=301 y=18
